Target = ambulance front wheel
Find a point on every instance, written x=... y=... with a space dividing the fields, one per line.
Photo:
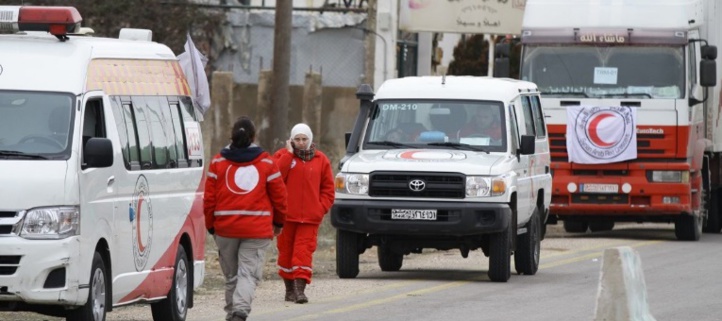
x=96 y=306
x=175 y=306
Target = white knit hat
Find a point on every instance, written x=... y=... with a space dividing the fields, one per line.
x=302 y=128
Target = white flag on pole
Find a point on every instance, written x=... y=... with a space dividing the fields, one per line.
x=601 y=135
x=193 y=63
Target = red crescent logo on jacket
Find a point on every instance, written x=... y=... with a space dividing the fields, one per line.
x=241 y=180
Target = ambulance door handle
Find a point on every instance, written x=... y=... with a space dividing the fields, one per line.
x=109 y=188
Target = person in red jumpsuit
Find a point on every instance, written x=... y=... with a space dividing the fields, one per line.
x=309 y=180
x=244 y=204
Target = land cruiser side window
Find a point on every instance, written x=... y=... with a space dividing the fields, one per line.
x=528 y=115
x=513 y=128
x=538 y=116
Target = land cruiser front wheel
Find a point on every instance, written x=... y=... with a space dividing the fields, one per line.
x=347 y=253
x=526 y=256
x=500 y=255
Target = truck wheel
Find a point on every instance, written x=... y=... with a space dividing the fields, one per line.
x=526 y=256
x=688 y=227
x=96 y=306
x=599 y=226
x=347 y=253
x=175 y=305
x=713 y=224
x=575 y=226
x=500 y=255
x=389 y=261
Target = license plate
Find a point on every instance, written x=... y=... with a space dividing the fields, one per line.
x=411 y=214
x=600 y=188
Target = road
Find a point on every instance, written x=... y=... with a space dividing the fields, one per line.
x=682 y=284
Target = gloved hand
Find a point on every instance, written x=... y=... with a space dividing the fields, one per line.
x=211 y=231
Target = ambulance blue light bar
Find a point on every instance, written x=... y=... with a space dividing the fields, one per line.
x=58 y=21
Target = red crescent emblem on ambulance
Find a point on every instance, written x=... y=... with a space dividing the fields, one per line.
x=138 y=210
x=593 y=132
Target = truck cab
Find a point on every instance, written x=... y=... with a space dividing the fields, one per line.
x=445 y=163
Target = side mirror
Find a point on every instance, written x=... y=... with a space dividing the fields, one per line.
x=347 y=138
x=708 y=73
x=527 y=145
x=98 y=152
x=708 y=52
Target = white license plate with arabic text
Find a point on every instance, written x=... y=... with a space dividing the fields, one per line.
x=411 y=214
x=600 y=188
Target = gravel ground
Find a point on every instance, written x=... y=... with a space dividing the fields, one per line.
x=209 y=299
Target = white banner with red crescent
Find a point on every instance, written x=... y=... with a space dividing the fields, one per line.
x=601 y=135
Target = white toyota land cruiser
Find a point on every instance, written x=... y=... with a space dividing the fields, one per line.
x=445 y=163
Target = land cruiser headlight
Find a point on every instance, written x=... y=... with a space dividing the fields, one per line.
x=482 y=186
x=51 y=223
x=668 y=176
x=352 y=183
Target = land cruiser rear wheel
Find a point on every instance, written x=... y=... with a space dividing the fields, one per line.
x=526 y=256
x=500 y=255
x=347 y=252
x=389 y=260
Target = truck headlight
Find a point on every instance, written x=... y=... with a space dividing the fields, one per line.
x=482 y=186
x=668 y=176
x=51 y=223
x=352 y=183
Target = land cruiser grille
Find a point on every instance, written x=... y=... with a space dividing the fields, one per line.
x=437 y=185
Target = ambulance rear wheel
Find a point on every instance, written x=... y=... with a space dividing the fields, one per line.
x=175 y=306
x=96 y=306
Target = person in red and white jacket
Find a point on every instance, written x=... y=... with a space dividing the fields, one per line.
x=309 y=179
x=245 y=204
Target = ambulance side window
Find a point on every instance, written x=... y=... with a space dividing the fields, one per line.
x=126 y=130
x=179 y=140
x=93 y=120
x=141 y=121
x=159 y=133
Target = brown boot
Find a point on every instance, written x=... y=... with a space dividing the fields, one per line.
x=290 y=291
x=299 y=287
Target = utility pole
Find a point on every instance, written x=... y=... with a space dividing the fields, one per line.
x=370 y=43
x=281 y=74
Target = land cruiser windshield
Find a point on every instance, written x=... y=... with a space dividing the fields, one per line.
x=639 y=72
x=35 y=125
x=443 y=124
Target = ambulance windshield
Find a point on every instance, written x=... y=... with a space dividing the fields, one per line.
x=639 y=72
x=35 y=125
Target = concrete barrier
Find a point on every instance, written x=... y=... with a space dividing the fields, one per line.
x=622 y=294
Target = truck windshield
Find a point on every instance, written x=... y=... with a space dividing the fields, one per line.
x=465 y=125
x=35 y=125
x=641 y=72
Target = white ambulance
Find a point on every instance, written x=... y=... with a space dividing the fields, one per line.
x=445 y=163
x=101 y=171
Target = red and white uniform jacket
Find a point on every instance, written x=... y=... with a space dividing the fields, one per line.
x=245 y=194
x=310 y=186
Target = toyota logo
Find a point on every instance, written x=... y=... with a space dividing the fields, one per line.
x=417 y=185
